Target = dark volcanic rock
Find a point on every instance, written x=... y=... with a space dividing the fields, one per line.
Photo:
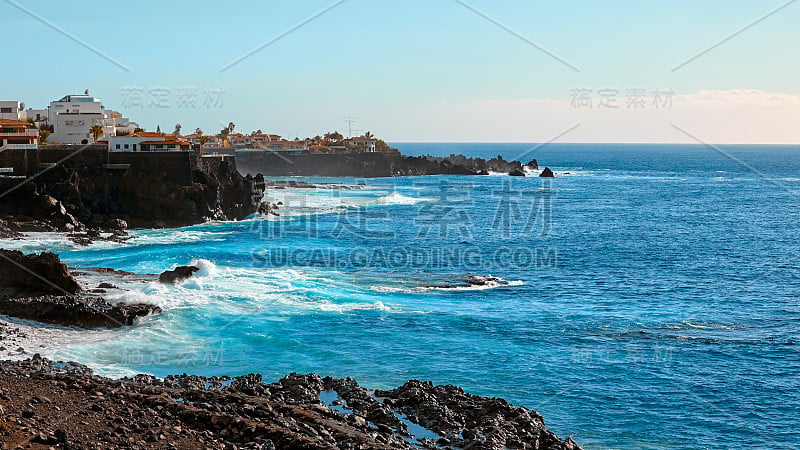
x=111 y=191
x=187 y=411
x=41 y=288
x=533 y=164
x=369 y=165
x=179 y=273
x=74 y=310
x=517 y=173
x=470 y=421
x=547 y=173
x=36 y=274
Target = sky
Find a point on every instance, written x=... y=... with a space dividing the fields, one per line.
x=716 y=71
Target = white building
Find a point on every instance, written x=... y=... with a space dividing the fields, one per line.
x=40 y=117
x=123 y=124
x=361 y=144
x=148 y=142
x=73 y=116
x=12 y=110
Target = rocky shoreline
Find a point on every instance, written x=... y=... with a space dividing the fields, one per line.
x=95 y=189
x=46 y=404
x=375 y=165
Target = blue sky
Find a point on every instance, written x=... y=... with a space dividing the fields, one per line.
x=411 y=70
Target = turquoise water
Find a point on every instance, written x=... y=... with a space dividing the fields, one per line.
x=646 y=299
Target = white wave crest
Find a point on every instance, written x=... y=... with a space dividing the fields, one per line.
x=399 y=199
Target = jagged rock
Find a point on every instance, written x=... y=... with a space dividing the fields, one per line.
x=188 y=410
x=533 y=164
x=516 y=173
x=36 y=274
x=547 y=173
x=179 y=273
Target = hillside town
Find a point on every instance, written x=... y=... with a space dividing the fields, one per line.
x=82 y=119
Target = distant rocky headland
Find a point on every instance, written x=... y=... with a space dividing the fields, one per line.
x=373 y=165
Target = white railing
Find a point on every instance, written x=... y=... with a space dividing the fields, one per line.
x=19 y=147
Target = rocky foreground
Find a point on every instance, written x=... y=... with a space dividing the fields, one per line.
x=63 y=405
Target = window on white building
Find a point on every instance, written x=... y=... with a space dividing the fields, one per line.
x=126 y=146
x=117 y=146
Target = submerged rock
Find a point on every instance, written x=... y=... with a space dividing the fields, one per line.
x=179 y=273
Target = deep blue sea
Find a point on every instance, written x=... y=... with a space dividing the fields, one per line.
x=648 y=297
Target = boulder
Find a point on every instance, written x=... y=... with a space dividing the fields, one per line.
x=179 y=273
x=36 y=274
x=517 y=173
x=533 y=164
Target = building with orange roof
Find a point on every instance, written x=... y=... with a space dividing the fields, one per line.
x=17 y=134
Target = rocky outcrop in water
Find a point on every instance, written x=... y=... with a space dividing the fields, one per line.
x=547 y=173
x=297 y=412
x=41 y=288
x=177 y=274
x=74 y=310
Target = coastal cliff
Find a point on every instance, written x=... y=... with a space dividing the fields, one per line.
x=74 y=189
x=369 y=165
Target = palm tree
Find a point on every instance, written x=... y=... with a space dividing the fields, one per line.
x=369 y=135
x=43 y=135
x=203 y=140
x=97 y=131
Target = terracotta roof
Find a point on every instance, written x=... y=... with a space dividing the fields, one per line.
x=360 y=139
x=148 y=134
x=15 y=122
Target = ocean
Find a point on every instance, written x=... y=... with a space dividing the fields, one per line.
x=645 y=298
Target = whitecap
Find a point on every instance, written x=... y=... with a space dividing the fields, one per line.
x=399 y=199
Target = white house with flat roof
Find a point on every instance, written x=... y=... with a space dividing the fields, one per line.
x=12 y=110
x=74 y=115
x=148 y=142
